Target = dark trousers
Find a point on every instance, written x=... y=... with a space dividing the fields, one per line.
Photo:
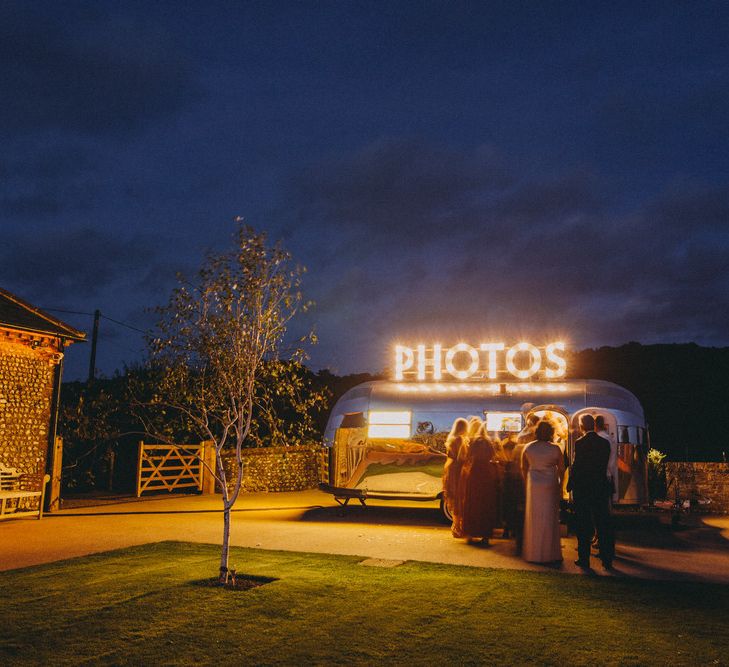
x=592 y=514
x=514 y=502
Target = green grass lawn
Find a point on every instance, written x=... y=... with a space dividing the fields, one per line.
x=141 y=606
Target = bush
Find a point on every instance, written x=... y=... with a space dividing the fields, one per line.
x=656 y=475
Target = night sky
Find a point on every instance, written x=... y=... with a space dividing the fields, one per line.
x=445 y=170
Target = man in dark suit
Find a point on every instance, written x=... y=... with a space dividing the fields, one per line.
x=590 y=493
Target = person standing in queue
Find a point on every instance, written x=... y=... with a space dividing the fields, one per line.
x=479 y=490
x=526 y=435
x=589 y=486
x=452 y=472
x=543 y=467
x=514 y=495
x=612 y=470
x=474 y=425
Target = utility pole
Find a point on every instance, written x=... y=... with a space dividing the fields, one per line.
x=94 y=338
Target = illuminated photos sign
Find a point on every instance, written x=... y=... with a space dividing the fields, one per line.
x=487 y=361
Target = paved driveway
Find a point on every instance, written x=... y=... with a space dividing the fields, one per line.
x=311 y=521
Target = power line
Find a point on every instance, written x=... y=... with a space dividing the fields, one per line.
x=106 y=317
x=70 y=312
x=123 y=324
x=95 y=336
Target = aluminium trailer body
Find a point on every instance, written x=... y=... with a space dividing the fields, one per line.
x=386 y=439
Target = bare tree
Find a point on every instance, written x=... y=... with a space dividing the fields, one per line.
x=214 y=340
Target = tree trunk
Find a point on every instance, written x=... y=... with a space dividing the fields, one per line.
x=228 y=502
x=226 y=544
x=223 y=575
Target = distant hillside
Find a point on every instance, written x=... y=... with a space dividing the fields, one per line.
x=684 y=390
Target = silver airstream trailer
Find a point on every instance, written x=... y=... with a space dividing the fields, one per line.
x=387 y=439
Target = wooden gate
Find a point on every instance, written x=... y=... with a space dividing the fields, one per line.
x=172 y=467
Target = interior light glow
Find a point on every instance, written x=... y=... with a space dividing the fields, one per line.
x=503 y=421
x=389 y=417
x=472 y=367
x=389 y=424
x=556 y=359
x=536 y=364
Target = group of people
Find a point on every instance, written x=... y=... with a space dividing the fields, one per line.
x=471 y=480
x=517 y=484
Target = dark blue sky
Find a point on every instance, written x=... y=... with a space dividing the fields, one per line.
x=445 y=170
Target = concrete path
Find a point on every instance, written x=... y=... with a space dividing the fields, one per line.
x=311 y=521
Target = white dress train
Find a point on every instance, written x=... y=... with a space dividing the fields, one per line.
x=545 y=467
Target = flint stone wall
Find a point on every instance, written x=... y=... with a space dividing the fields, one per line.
x=276 y=468
x=26 y=390
x=703 y=479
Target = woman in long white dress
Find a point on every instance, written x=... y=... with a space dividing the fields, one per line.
x=543 y=466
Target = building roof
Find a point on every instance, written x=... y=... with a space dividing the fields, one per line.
x=18 y=314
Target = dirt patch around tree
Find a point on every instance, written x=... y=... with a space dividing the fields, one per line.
x=237 y=582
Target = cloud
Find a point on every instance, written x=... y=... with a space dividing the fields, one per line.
x=33 y=206
x=76 y=82
x=73 y=264
x=82 y=71
x=410 y=240
x=41 y=180
x=406 y=187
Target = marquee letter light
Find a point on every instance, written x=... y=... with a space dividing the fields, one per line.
x=452 y=352
x=556 y=359
x=421 y=362
x=437 y=359
x=536 y=356
x=403 y=360
x=435 y=362
x=484 y=361
x=492 y=349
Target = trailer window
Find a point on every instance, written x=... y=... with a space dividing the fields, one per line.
x=503 y=422
x=630 y=434
x=389 y=424
x=352 y=420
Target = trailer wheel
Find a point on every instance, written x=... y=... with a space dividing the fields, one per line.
x=445 y=511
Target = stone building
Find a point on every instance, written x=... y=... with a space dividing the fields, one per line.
x=32 y=345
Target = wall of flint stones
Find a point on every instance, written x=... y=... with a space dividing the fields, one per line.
x=26 y=390
x=276 y=468
x=705 y=479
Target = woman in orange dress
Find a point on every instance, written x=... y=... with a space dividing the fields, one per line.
x=452 y=471
x=479 y=489
x=474 y=426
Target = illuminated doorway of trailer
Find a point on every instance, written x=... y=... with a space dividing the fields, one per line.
x=560 y=420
